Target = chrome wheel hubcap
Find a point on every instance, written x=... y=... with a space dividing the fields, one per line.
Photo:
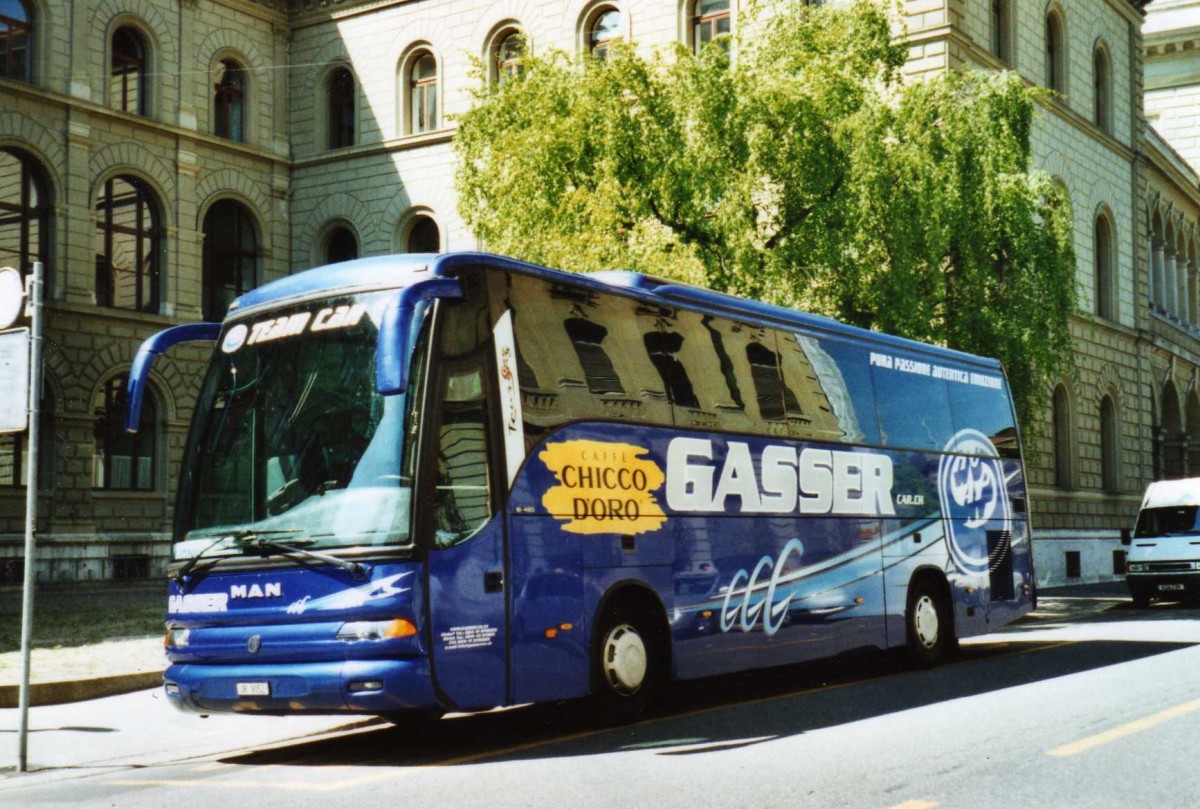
x=925 y=621
x=624 y=659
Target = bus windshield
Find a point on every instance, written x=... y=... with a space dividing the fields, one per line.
x=292 y=440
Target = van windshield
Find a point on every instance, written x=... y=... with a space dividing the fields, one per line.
x=1167 y=521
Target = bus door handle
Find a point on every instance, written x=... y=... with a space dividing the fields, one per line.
x=493 y=581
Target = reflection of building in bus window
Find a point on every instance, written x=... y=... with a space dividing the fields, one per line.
x=598 y=369
x=663 y=348
x=724 y=362
x=462 y=497
x=768 y=385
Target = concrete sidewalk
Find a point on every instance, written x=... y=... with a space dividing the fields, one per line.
x=70 y=674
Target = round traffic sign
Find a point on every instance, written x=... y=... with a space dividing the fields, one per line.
x=12 y=296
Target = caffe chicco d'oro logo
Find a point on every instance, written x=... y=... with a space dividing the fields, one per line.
x=603 y=488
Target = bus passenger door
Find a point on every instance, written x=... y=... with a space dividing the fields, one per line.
x=464 y=525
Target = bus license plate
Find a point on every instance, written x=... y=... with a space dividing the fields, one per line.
x=1172 y=587
x=254 y=689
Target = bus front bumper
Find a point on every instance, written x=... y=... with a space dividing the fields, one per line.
x=343 y=686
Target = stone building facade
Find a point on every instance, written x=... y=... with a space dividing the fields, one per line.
x=161 y=156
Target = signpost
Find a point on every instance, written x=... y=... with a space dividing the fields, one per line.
x=21 y=372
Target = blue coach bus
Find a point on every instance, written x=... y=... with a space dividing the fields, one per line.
x=448 y=483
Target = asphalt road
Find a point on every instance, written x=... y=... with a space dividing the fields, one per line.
x=1092 y=704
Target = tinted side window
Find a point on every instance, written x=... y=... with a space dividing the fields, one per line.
x=584 y=355
x=662 y=348
x=768 y=384
x=715 y=373
x=588 y=339
x=462 y=492
x=832 y=381
x=913 y=404
x=982 y=404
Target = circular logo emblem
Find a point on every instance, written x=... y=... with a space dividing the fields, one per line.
x=974 y=498
x=254 y=644
x=235 y=338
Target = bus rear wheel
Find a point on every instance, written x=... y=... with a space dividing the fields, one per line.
x=929 y=625
x=628 y=666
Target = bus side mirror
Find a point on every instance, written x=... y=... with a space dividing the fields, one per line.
x=1126 y=536
x=149 y=351
x=397 y=330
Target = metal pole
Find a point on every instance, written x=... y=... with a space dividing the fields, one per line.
x=31 y=493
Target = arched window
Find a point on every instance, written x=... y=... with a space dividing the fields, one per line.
x=129 y=245
x=340 y=245
x=1101 y=94
x=1173 y=437
x=24 y=212
x=127 y=78
x=506 y=60
x=1105 y=285
x=710 y=19
x=423 y=236
x=1001 y=32
x=603 y=31
x=423 y=93
x=229 y=104
x=1185 y=310
x=1061 y=415
x=122 y=460
x=340 y=92
x=230 y=256
x=1157 y=262
x=16 y=40
x=1170 y=271
x=1110 y=479
x=1056 y=53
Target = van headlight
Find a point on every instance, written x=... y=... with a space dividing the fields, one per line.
x=1137 y=567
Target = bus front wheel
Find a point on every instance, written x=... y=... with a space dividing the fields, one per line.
x=628 y=666
x=929 y=624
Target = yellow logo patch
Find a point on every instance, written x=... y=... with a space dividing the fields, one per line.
x=603 y=488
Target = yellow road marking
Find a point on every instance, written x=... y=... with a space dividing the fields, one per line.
x=1120 y=732
x=915 y=804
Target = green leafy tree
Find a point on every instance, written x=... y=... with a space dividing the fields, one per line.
x=803 y=171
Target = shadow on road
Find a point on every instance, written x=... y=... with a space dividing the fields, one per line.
x=719 y=713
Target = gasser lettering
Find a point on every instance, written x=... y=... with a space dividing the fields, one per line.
x=811 y=481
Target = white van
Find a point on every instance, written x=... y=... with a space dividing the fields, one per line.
x=1164 y=554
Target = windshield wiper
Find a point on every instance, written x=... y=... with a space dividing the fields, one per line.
x=225 y=536
x=264 y=545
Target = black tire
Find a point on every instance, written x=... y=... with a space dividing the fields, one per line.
x=629 y=665
x=1140 y=596
x=929 y=625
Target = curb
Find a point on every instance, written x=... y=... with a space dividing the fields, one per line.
x=78 y=690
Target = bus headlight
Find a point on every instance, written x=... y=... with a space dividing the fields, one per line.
x=376 y=630
x=179 y=637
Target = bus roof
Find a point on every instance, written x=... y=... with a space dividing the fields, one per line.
x=395 y=271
